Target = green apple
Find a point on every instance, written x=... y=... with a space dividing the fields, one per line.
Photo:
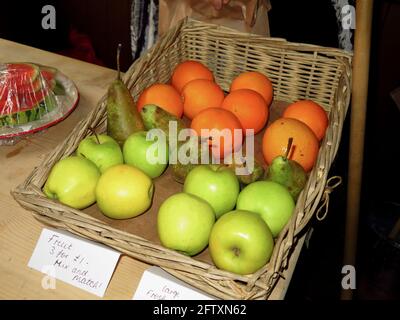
x=103 y=150
x=241 y=242
x=269 y=199
x=72 y=181
x=149 y=156
x=123 y=192
x=184 y=223
x=216 y=184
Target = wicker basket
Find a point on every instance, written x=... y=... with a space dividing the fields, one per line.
x=298 y=71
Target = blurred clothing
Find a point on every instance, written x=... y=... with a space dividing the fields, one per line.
x=144 y=25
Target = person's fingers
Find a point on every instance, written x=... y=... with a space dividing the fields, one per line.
x=218 y=4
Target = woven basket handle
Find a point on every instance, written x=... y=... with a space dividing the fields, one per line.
x=331 y=184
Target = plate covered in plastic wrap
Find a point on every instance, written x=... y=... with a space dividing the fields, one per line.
x=33 y=97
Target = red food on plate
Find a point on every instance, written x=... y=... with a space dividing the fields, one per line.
x=26 y=92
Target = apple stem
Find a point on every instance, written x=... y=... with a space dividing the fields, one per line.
x=95 y=134
x=118 y=65
x=288 y=148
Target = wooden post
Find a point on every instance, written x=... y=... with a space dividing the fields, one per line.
x=362 y=43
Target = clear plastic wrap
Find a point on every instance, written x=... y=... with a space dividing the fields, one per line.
x=32 y=98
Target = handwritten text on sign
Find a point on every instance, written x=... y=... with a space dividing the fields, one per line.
x=79 y=262
x=156 y=284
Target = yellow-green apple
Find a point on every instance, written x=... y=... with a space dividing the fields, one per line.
x=149 y=156
x=216 y=184
x=103 y=150
x=270 y=200
x=72 y=181
x=241 y=242
x=123 y=192
x=184 y=223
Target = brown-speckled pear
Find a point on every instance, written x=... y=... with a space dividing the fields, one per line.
x=123 y=119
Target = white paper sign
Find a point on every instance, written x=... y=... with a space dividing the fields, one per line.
x=156 y=284
x=82 y=263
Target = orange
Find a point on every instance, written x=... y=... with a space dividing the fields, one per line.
x=201 y=94
x=223 y=140
x=164 y=96
x=187 y=71
x=311 y=113
x=305 y=144
x=250 y=108
x=255 y=81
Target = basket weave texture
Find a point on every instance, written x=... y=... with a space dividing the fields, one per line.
x=297 y=71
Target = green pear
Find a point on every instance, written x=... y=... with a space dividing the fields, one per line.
x=123 y=118
x=288 y=173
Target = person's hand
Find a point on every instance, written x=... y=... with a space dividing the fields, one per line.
x=218 y=4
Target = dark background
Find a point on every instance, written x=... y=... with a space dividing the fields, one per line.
x=104 y=22
x=100 y=24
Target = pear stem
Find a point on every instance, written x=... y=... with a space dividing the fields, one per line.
x=95 y=134
x=288 y=148
x=118 y=65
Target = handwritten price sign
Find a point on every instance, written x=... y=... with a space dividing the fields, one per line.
x=156 y=284
x=82 y=263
